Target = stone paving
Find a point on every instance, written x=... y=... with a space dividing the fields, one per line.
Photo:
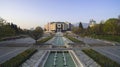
x=67 y=40
x=59 y=40
x=33 y=60
x=86 y=60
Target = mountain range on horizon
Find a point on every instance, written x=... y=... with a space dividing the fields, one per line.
x=85 y=25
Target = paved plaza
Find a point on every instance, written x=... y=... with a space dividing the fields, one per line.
x=7 y=51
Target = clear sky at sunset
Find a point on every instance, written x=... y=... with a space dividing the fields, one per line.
x=31 y=13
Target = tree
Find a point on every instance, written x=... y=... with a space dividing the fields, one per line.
x=5 y=29
x=76 y=30
x=111 y=26
x=98 y=29
x=8 y=29
x=80 y=25
x=36 y=34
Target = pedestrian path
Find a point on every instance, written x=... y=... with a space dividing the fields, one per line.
x=33 y=60
x=86 y=60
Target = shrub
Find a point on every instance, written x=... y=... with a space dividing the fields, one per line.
x=19 y=59
x=45 y=39
x=74 y=39
x=100 y=59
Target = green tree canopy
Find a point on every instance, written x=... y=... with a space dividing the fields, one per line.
x=37 y=33
x=80 y=25
x=112 y=26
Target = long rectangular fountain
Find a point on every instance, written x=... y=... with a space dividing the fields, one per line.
x=60 y=59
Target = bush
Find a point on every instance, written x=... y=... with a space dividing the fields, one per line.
x=19 y=59
x=45 y=39
x=108 y=37
x=74 y=39
x=101 y=59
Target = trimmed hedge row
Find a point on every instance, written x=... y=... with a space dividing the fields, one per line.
x=45 y=39
x=19 y=59
x=73 y=39
x=107 y=37
x=100 y=59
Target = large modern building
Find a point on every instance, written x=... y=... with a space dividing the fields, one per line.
x=58 y=27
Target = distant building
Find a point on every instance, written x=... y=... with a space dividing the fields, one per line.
x=92 y=23
x=58 y=27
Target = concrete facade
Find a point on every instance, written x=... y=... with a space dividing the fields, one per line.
x=58 y=27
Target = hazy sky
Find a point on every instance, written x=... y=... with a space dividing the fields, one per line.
x=32 y=13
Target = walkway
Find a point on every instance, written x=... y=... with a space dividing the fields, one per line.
x=34 y=59
x=57 y=40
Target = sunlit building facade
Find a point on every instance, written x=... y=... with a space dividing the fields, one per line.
x=58 y=27
x=92 y=23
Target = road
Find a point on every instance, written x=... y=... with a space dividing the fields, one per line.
x=93 y=42
x=11 y=48
x=18 y=42
x=8 y=52
x=112 y=52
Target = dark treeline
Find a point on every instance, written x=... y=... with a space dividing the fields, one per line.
x=9 y=29
x=109 y=27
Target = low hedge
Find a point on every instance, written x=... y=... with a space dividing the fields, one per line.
x=100 y=59
x=108 y=37
x=45 y=39
x=19 y=59
x=73 y=39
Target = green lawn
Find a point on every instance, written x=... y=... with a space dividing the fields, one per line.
x=107 y=37
x=45 y=39
x=73 y=39
x=100 y=59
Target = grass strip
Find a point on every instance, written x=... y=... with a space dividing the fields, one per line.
x=107 y=37
x=19 y=59
x=73 y=39
x=100 y=59
x=45 y=39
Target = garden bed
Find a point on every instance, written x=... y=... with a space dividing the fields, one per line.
x=44 y=40
x=74 y=39
x=19 y=59
x=100 y=59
